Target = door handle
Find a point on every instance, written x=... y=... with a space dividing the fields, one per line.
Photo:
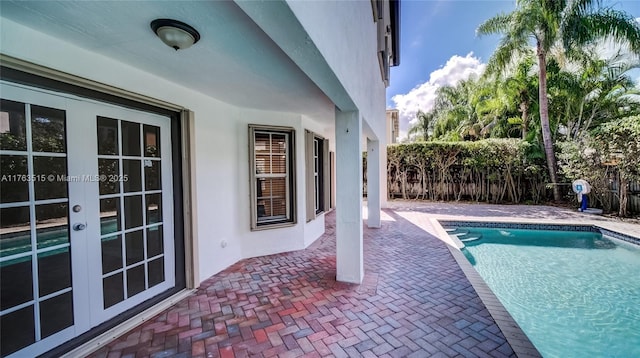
x=79 y=226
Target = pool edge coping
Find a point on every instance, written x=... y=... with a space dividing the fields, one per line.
x=515 y=336
x=560 y=226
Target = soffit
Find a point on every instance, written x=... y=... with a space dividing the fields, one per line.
x=234 y=61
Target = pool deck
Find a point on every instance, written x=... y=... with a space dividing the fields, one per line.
x=538 y=214
x=415 y=300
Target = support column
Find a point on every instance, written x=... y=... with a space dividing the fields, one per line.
x=349 y=248
x=373 y=183
x=384 y=190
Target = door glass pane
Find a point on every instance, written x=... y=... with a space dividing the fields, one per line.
x=132 y=211
x=135 y=247
x=38 y=173
x=14 y=184
x=52 y=171
x=48 y=130
x=52 y=224
x=132 y=261
x=107 y=136
x=113 y=290
x=156 y=271
x=154 y=208
x=155 y=245
x=13 y=126
x=130 y=138
x=54 y=271
x=135 y=280
x=108 y=169
x=152 y=175
x=109 y=215
x=151 y=141
x=17 y=330
x=15 y=231
x=132 y=177
x=56 y=314
x=16 y=285
x=111 y=253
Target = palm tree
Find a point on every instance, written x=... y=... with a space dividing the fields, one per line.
x=605 y=92
x=424 y=125
x=589 y=91
x=521 y=86
x=455 y=111
x=549 y=23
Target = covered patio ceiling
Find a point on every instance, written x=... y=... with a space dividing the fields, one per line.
x=234 y=61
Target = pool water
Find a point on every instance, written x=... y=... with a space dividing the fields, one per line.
x=575 y=294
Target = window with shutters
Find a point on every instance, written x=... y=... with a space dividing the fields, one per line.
x=272 y=171
x=317 y=173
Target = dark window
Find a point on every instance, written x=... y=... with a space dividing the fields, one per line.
x=272 y=170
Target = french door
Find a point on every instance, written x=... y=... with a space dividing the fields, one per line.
x=86 y=215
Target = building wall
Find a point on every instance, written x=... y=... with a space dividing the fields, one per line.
x=346 y=35
x=221 y=149
x=393 y=126
x=265 y=242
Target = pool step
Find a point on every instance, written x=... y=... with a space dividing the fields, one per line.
x=469 y=237
x=456 y=231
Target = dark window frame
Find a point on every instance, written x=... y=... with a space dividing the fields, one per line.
x=290 y=217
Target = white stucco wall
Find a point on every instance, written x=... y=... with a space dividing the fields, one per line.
x=346 y=35
x=315 y=228
x=221 y=142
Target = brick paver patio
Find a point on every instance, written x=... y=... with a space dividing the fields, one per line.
x=415 y=301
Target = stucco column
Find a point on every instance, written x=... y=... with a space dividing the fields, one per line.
x=384 y=191
x=373 y=183
x=349 y=252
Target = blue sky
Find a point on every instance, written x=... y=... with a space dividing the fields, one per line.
x=438 y=46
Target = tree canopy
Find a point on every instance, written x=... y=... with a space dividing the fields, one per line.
x=546 y=82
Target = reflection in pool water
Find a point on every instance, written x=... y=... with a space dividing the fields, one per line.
x=19 y=240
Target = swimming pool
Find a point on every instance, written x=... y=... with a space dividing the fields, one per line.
x=574 y=293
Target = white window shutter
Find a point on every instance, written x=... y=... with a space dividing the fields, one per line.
x=309 y=175
x=326 y=175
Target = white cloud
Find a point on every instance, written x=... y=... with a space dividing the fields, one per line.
x=422 y=97
x=402 y=134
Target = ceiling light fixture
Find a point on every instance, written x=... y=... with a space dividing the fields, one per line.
x=174 y=33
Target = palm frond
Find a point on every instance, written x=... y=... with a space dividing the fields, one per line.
x=580 y=7
x=508 y=48
x=497 y=24
x=606 y=23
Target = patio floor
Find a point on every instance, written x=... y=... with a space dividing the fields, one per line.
x=415 y=301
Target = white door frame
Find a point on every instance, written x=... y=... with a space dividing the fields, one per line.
x=81 y=142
